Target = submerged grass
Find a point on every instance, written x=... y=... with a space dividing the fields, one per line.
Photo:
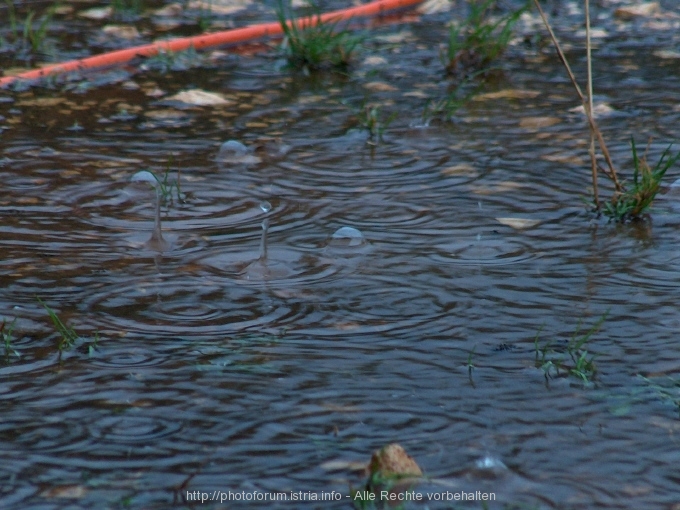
x=166 y=61
x=316 y=44
x=574 y=360
x=166 y=186
x=634 y=201
x=626 y=203
x=372 y=119
x=445 y=108
x=666 y=389
x=68 y=334
x=479 y=39
x=125 y=10
x=28 y=34
x=6 y=334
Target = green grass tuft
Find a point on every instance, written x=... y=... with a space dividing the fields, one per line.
x=6 y=336
x=633 y=202
x=315 y=45
x=68 y=334
x=574 y=361
x=479 y=40
x=29 y=34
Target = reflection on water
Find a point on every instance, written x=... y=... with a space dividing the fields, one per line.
x=387 y=300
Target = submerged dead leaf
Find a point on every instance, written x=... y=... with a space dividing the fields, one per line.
x=374 y=61
x=165 y=114
x=567 y=159
x=198 y=97
x=173 y=9
x=43 y=101
x=667 y=54
x=460 y=168
x=508 y=94
x=340 y=408
x=434 y=6
x=599 y=110
x=341 y=465
x=500 y=187
x=121 y=31
x=379 y=86
x=97 y=13
x=65 y=492
x=538 y=122
x=595 y=33
x=220 y=6
x=417 y=93
x=635 y=11
x=518 y=223
x=399 y=37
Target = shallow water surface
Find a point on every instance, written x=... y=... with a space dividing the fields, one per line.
x=217 y=369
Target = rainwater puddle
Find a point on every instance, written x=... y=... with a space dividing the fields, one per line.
x=396 y=297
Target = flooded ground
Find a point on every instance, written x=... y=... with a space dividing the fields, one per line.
x=201 y=366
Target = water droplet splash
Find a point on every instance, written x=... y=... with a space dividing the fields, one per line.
x=156 y=241
x=265 y=206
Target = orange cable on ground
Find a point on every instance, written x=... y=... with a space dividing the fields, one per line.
x=233 y=36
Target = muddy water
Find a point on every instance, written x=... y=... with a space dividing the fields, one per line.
x=218 y=370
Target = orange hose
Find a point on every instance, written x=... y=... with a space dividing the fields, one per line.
x=234 y=36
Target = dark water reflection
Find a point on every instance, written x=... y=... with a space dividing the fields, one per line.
x=215 y=373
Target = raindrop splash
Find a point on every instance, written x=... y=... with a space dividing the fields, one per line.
x=266 y=207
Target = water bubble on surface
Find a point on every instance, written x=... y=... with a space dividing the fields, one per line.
x=232 y=148
x=489 y=467
x=145 y=176
x=265 y=206
x=347 y=236
x=489 y=462
x=235 y=152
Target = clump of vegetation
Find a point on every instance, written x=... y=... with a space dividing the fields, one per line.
x=125 y=10
x=315 y=44
x=67 y=333
x=167 y=60
x=574 y=360
x=166 y=186
x=667 y=390
x=633 y=202
x=26 y=35
x=374 y=122
x=68 y=336
x=445 y=108
x=626 y=203
x=479 y=39
x=6 y=332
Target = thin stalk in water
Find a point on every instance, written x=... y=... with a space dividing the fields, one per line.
x=591 y=150
x=611 y=173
